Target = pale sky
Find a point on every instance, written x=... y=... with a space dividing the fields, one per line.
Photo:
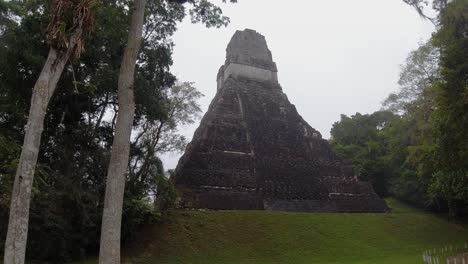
x=333 y=57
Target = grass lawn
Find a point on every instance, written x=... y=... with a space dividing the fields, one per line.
x=245 y=237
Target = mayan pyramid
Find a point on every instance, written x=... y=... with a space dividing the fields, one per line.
x=253 y=150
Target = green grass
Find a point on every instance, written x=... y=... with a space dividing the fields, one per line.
x=245 y=237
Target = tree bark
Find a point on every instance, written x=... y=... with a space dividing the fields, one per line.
x=109 y=252
x=15 y=244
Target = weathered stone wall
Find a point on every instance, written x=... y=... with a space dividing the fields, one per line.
x=254 y=151
x=249 y=48
x=248 y=56
x=250 y=72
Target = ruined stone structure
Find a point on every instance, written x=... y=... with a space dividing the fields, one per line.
x=254 y=151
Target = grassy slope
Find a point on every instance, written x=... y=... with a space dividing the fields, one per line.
x=276 y=237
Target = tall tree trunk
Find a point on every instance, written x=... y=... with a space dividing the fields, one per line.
x=109 y=252
x=15 y=244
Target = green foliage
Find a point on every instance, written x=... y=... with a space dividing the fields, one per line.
x=166 y=193
x=365 y=141
x=136 y=213
x=424 y=149
x=438 y=150
x=420 y=5
x=9 y=151
x=205 y=12
x=420 y=72
x=450 y=117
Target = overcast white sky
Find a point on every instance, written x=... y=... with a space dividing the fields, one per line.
x=333 y=57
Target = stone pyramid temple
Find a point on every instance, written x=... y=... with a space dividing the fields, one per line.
x=254 y=151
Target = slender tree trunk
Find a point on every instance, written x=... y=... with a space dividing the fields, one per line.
x=109 y=252
x=15 y=244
